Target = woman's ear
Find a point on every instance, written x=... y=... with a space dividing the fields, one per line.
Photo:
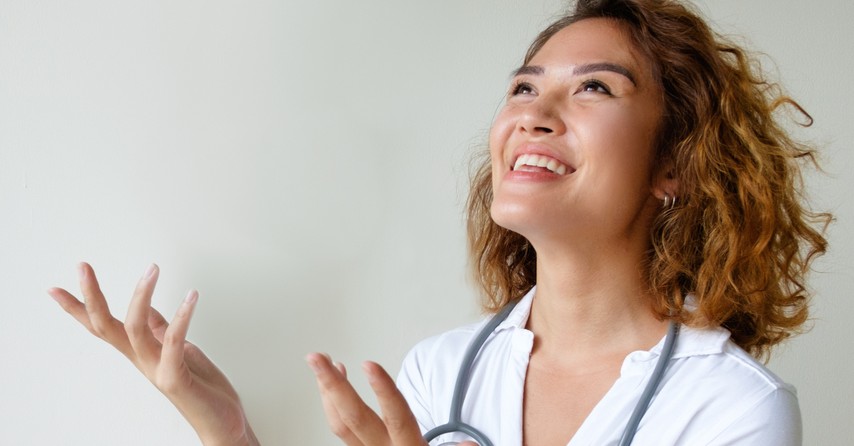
x=665 y=183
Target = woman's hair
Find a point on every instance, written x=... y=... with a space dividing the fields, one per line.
x=739 y=238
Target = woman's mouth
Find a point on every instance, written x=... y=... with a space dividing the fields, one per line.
x=531 y=162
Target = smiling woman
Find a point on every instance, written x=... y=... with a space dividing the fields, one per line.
x=638 y=231
x=619 y=107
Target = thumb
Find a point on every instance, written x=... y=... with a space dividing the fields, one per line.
x=467 y=443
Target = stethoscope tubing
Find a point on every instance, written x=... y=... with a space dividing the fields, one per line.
x=653 y=384
x=455 y=423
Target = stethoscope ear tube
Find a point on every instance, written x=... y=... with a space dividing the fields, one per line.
x=652 y=385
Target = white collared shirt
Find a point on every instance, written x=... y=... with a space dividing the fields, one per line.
x=713 y=392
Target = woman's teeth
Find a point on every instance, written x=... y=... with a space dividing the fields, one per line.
x=532 y=160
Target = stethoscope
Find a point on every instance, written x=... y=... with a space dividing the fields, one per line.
x=456 y=424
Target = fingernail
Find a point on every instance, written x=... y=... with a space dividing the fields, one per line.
x=81 y=270
x=150 y=271
x=192 y=297
x=366 y=367
x=313 y=364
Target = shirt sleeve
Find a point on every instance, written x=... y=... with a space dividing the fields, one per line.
x=412 y=384
x=773 y=420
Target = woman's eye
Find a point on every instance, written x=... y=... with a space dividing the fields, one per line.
x=594 y=86
x=521 y=88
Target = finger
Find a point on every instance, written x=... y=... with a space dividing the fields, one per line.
x=71 y=305
x=157 y=323
x=332 y=418
x=136 y=322
x=336 y=425
x=198 y=363
x=398 y=417
x=172 y=357
x=346 y=405
x=102 y=323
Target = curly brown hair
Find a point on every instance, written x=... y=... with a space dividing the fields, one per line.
x=741 y=238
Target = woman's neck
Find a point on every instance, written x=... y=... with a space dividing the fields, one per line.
x=590 y=305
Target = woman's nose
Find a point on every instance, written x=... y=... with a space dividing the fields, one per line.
x=541 y=117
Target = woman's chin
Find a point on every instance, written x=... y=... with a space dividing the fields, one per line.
x=524 y=220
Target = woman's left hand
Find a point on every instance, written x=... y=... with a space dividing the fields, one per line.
x=351 y=419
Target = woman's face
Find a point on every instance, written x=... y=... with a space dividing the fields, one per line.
x=572 y=148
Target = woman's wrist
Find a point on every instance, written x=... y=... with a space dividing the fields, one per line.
x=245 y=438
x=248 y=439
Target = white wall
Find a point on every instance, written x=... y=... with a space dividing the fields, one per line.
x=303 y=165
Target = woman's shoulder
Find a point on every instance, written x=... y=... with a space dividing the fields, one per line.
x=443 y=347
x=717 y=392
x=428 y=373
x=711 y=353
x=448 y=348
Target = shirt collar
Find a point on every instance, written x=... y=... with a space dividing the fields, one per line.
x=518 y=318
x=691 y=341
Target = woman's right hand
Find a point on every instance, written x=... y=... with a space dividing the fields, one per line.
x=179 y=369
x=352 y=420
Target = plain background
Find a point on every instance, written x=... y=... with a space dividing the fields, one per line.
x=304 y=165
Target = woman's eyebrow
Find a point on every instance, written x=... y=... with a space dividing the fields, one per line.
x=579 y=70
x=528 y=69
x=604 y=66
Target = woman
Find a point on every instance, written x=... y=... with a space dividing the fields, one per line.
x=639 y=192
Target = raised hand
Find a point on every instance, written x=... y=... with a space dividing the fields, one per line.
x=353 y=421
x=179 y=369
